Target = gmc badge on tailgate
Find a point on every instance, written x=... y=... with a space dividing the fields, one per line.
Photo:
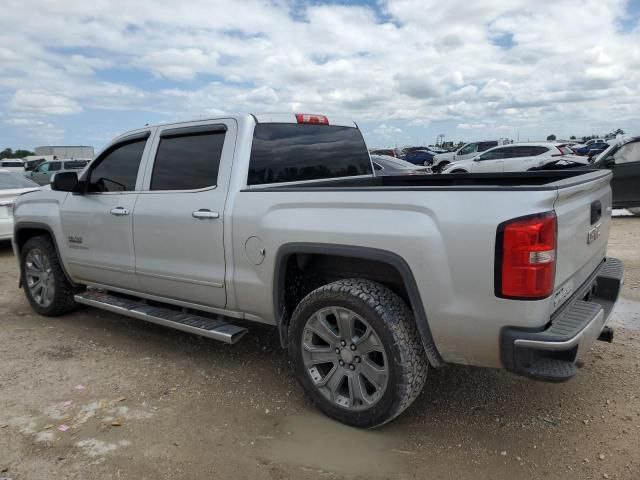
x=593 y=234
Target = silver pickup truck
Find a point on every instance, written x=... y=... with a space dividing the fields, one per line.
x=210 y=225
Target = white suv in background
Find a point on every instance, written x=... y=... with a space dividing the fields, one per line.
x=466 y=152
x=518 y=157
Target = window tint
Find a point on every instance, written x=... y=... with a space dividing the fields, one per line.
x=526 y=151
x=628 y=153
x=11 y=164
x=496 y=154
x=467 y=149
x=284 y=152
x=483 y=146
x=188 y=162
x=55 y=166
x=75 y=164
x=117 y=170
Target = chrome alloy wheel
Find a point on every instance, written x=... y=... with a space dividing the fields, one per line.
x=39 y=278
x=344 y=358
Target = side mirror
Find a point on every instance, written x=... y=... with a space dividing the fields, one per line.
x=64 y=181
x=610 y=162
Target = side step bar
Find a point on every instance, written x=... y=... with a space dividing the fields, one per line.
x=187 y=322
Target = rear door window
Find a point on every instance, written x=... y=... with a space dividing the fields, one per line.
x=290 y=152
x=189 y=160
x=55 y=166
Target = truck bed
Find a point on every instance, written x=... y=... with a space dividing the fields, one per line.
x=543 y=180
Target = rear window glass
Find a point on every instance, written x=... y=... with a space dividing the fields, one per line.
x=76 y=164
x=290 y=152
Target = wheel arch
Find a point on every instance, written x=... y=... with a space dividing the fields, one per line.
x=23 y=231
x=392 y=260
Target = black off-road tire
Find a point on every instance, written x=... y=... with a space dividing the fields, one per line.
x=63 y=301
x=393 y=322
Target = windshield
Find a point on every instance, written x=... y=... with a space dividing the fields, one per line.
x=9 y=180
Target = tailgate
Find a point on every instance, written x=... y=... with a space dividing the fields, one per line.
x=583 y=208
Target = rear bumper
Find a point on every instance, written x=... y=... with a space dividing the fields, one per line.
x=550 y=354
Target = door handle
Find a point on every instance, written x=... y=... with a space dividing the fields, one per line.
x=119 y=211
x=205 y=213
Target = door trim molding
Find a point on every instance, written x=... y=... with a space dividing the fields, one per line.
x=179 y=279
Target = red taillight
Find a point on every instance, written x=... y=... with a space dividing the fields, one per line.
x=526 y=257
x=315 y=119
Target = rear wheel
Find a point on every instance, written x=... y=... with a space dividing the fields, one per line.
x=45 y=284
x=357 y=352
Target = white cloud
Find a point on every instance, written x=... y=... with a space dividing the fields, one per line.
x=42 y=102
x=387 y=131
x=566 y=63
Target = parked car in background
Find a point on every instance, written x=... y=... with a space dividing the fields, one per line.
x=593 y=148
x=386 y=165
x=391 y=152
x=466 y=152
x=12 y=184
x=589 y=142
x=623 y=159
x=31 y=163
x=421 y=156
x=518 y=157
x=12 y=165
x=42 y=173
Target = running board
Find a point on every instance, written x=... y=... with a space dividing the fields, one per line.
x=187 y=322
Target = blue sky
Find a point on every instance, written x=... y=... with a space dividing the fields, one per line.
x=405 y=70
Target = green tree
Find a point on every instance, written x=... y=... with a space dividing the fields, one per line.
x=573 y=137
x=9 y=153
x=551 y=138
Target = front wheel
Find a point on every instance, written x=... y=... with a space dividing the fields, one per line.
x=441 y=166
x=45 y=284
x=357 y=352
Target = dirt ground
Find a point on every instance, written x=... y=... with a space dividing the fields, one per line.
x=145 y=402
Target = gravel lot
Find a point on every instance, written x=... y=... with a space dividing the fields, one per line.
x=143 y=402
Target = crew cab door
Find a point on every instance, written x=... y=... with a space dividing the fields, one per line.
x=178 y=218
x=97 y=222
